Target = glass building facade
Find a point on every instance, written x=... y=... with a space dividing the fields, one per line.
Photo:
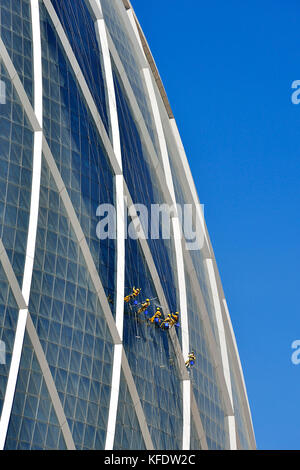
x=85 y=122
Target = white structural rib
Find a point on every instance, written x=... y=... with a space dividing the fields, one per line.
x=176 y=233
x=95 y=7
x=33 y=219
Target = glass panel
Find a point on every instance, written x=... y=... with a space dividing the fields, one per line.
x=15 y=32
x=70 y=322
x=130 y=62
x=128 y=434
x=183 y=196
x=195 y=442
x=8 y=325
x=151 y=356
x=78 y=152
x=79 y=28
x=16 y=149
x=33 y=424
x=240 y=420
x=204 y=380
x=144 y=189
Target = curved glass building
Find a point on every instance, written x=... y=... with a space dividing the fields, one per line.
x=89 y=150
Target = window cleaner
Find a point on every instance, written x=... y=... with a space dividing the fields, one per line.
x=174 y=319
x=133 y=295
x=156 y=317
x=144 y=307
x=166 y=322
x=191 y=360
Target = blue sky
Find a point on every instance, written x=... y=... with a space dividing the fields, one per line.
x=228 y=68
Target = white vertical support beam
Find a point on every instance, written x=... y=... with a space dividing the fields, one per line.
x=186 y=414
x=119 y=191
x=33 y=220
x=223 y=347
x=114 y=397
x=186 y=431
x=100 y=28
x=232 y=432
